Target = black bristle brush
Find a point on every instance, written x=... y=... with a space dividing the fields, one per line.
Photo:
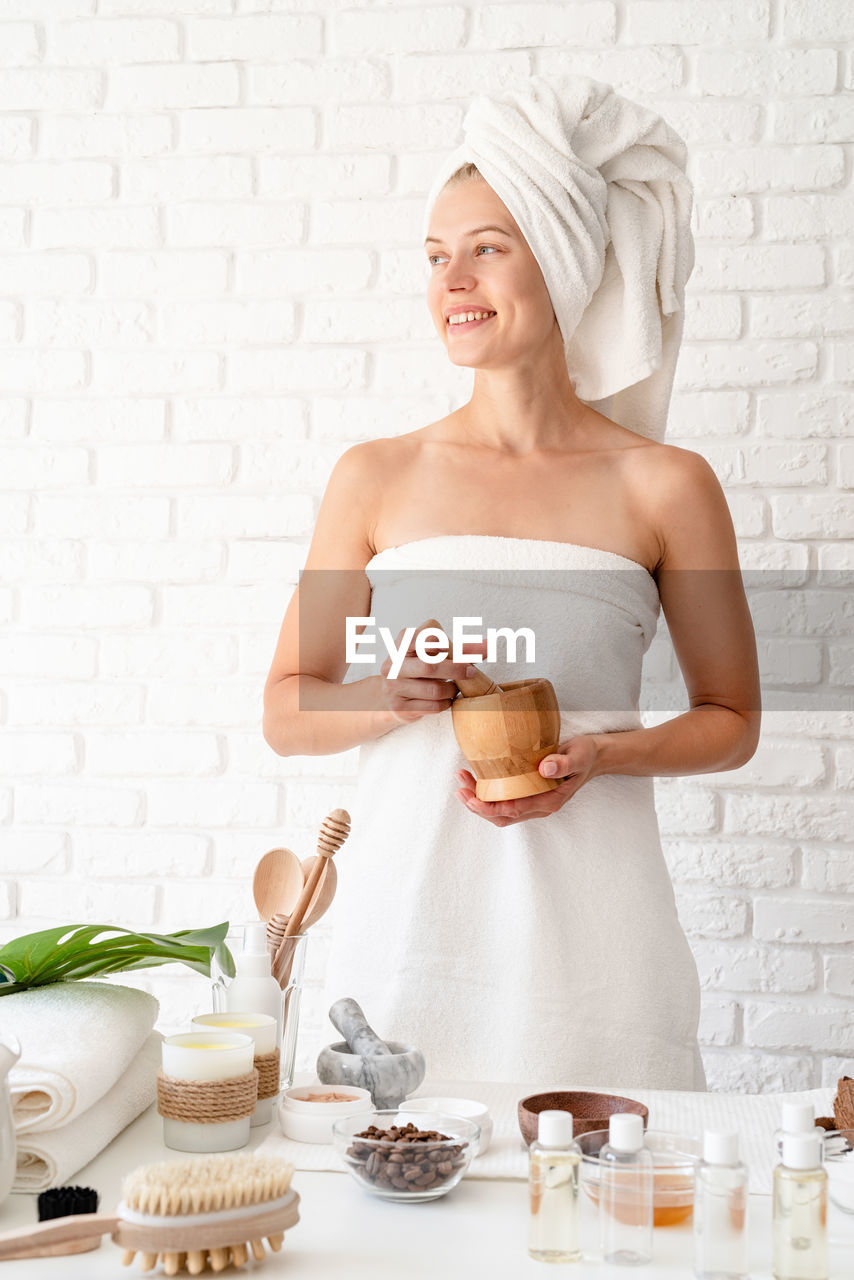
x=63 y=1202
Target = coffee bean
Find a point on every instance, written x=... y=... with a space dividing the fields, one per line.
x=405 y=1157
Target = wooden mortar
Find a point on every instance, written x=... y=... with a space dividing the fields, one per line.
x=504 y=736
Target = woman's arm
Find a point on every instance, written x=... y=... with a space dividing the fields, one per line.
x=703 y=600
x=307 y=710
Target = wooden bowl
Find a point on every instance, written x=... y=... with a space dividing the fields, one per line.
x=589 y=1110
x=505 y=735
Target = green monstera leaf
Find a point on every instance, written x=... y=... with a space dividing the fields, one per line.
x=92 y=950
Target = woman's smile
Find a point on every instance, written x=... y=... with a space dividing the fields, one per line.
x=458 y=326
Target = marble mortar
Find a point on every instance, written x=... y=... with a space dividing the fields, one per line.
x=390 y=1078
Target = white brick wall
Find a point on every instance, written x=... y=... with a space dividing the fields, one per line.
x=212 y=285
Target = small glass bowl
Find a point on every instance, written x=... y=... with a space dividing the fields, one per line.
x=839 y=1164
x=367 y=1159
x=674 y=1158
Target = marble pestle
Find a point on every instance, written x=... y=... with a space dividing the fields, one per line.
x=347 y=1017
x=390 y=1071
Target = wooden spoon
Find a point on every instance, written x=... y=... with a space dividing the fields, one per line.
x=318 y=906
x=277 y=883
x=476 y=686
x=324 y=892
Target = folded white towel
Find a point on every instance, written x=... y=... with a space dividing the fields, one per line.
x=598 y=187
x=49 y=1159
x=77 y=1039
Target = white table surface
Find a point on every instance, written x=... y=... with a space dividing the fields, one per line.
x=477 y=1232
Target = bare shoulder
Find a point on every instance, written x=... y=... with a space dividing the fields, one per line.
x=343 y=528
x=364 y=469
x=350 y=509
x=685 y=503
x=663 y=467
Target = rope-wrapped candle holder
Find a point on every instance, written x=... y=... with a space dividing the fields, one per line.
x=207 y=1101
x=207 y=1090
x=267 y=1066
x=261 y=1028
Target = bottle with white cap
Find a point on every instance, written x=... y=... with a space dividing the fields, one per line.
x=797 y=1117
x=720 y=1210
x=253 y=988
x=800 y=1211
x=625 y=1194
x=553 y=1184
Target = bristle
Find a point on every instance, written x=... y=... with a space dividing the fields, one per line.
x=128 y=1257
x=61 y=1202
x=258 y=1250
x=220 y=1259
x=206 y=1184
x=239 y=1254
x=197 y=1260
x=276 y=1241
x=148 y=1261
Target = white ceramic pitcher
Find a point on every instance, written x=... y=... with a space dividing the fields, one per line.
x=10 y=1052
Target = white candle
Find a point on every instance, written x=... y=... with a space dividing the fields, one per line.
x=207 y=1055
x=262 y=1028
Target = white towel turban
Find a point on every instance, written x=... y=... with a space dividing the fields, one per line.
x=598 y=187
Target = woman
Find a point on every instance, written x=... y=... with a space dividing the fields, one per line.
x=535 y=939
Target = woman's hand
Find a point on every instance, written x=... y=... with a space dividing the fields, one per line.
x=574 y=760
x=421 y=688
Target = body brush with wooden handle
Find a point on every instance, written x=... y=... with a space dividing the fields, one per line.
x=210 y=1211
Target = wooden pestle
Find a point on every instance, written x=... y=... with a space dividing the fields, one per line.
x=476 y=686
x=347 y=1017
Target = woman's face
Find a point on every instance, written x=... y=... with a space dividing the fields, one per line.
x=486 y=271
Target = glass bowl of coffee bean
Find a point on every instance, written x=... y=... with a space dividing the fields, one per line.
x=398 y=1160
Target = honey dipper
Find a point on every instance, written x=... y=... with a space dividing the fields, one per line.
x=334 y=830
x=192 y=1214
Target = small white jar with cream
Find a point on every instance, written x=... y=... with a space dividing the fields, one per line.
x=307 y=1111
x=261 y=1028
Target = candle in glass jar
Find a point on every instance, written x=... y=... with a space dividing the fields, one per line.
x=262 y=1028
x=207 y=1056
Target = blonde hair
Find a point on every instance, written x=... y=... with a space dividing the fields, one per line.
x=464 y=174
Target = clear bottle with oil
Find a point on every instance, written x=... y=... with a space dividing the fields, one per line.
x=800 y=1211
x=553 y=1186
x=625 y=1194
x=720 y=1210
